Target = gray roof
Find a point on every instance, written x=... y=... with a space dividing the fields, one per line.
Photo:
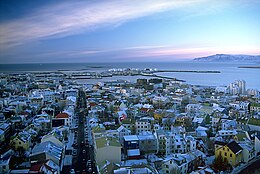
x=49 y=148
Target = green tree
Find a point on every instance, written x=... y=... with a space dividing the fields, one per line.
x=188 y=124
x=207 y=119
x=221 y=164
x=210 y=132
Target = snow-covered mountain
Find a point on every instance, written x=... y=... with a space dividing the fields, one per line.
x=228 y=58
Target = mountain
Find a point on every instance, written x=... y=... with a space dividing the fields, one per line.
x=228 y=58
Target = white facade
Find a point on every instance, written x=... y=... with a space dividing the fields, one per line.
x=122 y=131
x=142 y=125
x=257 y=144
x=176 y=165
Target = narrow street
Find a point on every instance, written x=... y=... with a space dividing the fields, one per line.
x=84 y=161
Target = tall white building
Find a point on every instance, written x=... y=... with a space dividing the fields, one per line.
x=237 y=87
x=241 y=86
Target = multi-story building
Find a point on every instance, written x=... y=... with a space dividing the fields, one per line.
x=122 y=131
x=178 y=164
x=232 y=152
x=22 y=141
x=48 y=150
x=255 y=107
x=238 y=87
x=107 y=148
x=148 y=142
x=142 y=125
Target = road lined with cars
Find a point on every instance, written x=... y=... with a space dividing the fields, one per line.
x=83 y=150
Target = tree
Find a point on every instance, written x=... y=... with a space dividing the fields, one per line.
x=221 y=164
x=210 y=132
x=188 y=124
x=207 y=119
x=21 y=151
x=210 y=144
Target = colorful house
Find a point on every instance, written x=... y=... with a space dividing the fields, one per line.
x=158 y=114
x=232 y=152
x=22 y=140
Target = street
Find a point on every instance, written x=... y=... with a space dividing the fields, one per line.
x=84 y=160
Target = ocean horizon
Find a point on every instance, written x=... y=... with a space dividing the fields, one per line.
x=229 y=71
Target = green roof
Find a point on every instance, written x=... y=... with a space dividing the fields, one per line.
x=107 y=141
x=255 y=104
x=241 y=136
x=97 y=129
x=128 y=121
x=254 y=121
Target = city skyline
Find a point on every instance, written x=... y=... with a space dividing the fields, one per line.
x=123 y=31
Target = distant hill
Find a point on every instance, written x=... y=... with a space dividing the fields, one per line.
x=228 y=58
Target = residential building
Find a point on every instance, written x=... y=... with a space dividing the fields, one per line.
x=142 y=125
x=107 y=149
x=47 y=151
x=5 y=161
x=122 y=131
x=232 y=152
x=22 y=140
x=147 y=142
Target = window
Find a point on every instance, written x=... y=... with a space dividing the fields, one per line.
x=225 y=153
x=230 y=155
x=166 y=166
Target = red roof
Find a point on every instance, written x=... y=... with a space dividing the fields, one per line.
x=36 y=167
x=62 y=115
x=92 y=104
x=145 y=109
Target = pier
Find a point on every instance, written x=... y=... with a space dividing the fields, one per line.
x=189 y=71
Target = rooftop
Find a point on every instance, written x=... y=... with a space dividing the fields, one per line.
x=107 y=141
x=62 y=115
x=234 y=147
x=131 y=138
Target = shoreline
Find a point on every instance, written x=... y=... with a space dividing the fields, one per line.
x=254 y=67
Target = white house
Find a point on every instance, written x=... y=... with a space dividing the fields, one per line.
x=142 y=125
x=122 y=131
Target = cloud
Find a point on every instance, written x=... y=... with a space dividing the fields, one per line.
x=69 y=18
x=138 y=53
x=158 y=52
x=192 y=52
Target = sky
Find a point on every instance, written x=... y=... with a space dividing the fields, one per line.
x=53 y=31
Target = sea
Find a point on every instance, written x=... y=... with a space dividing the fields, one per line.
x=229 y=71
